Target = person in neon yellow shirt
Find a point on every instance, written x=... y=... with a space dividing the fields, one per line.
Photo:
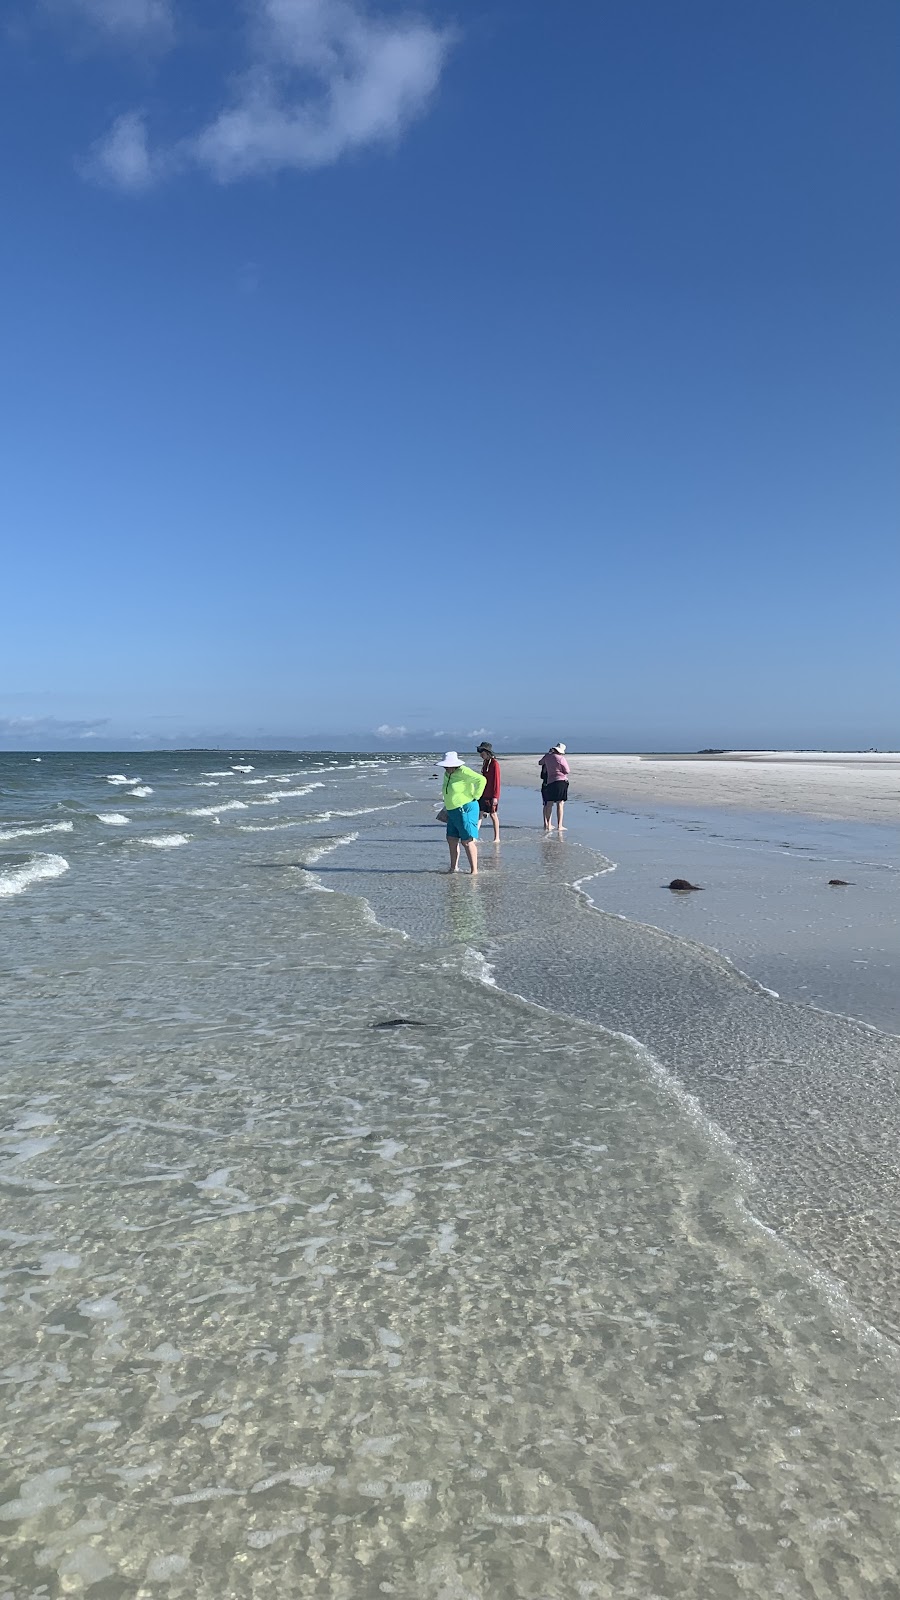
x=462 y=789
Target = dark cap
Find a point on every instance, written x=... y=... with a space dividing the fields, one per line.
x=485 y=749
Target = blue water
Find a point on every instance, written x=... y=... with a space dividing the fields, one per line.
x=476 y=1305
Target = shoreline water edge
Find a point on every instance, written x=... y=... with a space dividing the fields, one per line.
x=333 y=1267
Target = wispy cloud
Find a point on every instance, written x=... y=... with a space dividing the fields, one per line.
x=49 y=728
x=122 y=157
x=386 y=731
x=128 y=20
x=323 y=78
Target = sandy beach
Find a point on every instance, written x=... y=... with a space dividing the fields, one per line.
x=839 y=786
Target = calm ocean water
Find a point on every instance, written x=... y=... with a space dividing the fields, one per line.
x=476 y=1309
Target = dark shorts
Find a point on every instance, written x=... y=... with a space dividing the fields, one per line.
x=487 y=807
x=553 y=793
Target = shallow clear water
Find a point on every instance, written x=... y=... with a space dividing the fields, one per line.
x=293 y=1304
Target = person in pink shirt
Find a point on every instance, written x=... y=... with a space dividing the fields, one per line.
x=554 y=785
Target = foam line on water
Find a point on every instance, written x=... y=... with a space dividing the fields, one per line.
x=674 y=938
x=36 y=869
x=113 y=819
x=31 y=830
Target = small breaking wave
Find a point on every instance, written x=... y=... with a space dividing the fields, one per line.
x=242 y=769
x=286 y=794
x=213 y=811
x=119 y=777
x=30 y=830
x=113 y=819
x=365 y=811
x=37 y=868
x=326 y=849
x=225 y=773
x=275 y=827
x=313 y=817
x=141 y=790
x=165 y=841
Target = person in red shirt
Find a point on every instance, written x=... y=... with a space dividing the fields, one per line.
x=490 y=800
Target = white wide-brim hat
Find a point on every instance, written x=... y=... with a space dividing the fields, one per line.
x=560 y=748
x=451 y=759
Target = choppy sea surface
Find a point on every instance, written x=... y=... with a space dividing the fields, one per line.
x=352 y=1246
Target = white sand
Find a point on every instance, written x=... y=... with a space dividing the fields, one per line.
x=840 y=786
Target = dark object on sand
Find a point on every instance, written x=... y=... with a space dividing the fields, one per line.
x=399 y=1022
x=838 y=883
x=681 y=884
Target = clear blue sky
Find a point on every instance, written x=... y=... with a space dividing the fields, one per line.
x=520 y=366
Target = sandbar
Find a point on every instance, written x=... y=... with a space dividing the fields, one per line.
x=843 y=786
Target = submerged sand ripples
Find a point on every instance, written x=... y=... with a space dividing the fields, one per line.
x=459 y=1312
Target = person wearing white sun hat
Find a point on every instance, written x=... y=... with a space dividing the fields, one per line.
x=462 y=789
x=554 y=784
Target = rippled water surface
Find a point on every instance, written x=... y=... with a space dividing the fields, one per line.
x=294 y=1304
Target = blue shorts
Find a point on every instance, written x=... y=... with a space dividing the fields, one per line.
x=463 y=822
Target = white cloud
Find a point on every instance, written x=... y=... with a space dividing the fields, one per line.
x=324 y=78
x=385 y=731
x=122 y=157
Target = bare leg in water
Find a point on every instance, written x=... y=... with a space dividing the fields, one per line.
x=548 y=812
x=453 y=846
x=560 y=805
x=471 y=848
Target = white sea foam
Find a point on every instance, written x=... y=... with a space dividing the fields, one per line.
x=224 y=773
x=242 y=769
x=29 y=831
x=213 y=811
x=113 y=819
x=37 y=1495
x=141 y=790
x=165 y=841
x=37 y=868
x=119 y=777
